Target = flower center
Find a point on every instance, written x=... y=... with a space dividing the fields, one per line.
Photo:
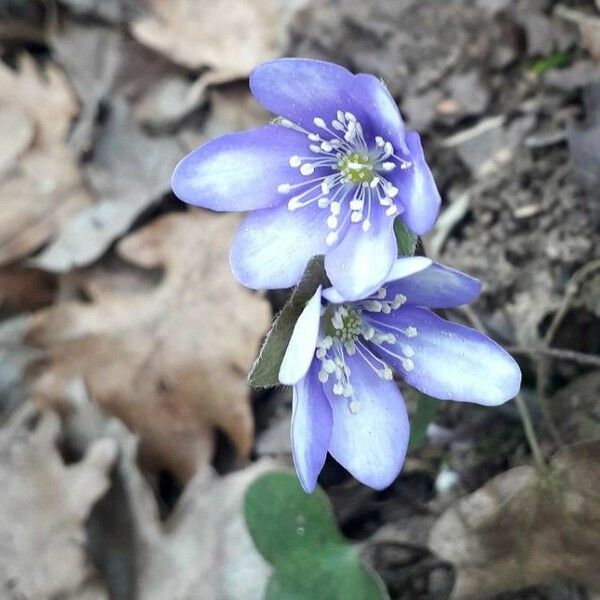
x=345 y=174
x=362 y=328
x=357 y=168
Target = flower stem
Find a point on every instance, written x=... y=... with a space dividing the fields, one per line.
x=530 y=433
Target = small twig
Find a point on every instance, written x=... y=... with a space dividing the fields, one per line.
x=560 y=353
x=530 y=433
x=542 y=363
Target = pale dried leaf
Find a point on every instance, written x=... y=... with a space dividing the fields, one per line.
x=170 y=362
x=130 y=171
x=43 y=508
x=44 y=188
x=228 y=36
x=16 y=134
x=522 y=529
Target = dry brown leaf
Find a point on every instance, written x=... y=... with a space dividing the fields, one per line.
x=228 y=36
x=521 y=529
x=130 y=170
x=170 y=362
x=203 y=550
x=44 y=188
x=24 y=290
x=43 y=508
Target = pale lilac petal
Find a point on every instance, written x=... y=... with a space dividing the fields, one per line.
x=240 y=171
x=370 y=443
x=446 y=360
x=361 y=261
x=407 y=266
x=301 y=348
x=273 y=246
x=311 y=428
x=436 y=286
x=418 y=192
x=372 y=94
x=301 y=89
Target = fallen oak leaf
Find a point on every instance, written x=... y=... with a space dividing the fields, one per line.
x=43 y=508
x=44 y=187
x=227 y=36
x=170 y=362
x=523 y=529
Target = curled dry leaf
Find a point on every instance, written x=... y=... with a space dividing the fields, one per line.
x=170 y=362
x=228 y=36
x=523 y=529
x=43 y=508
x=41 y=186
x=204 y=549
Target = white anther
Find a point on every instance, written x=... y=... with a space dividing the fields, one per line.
x=350 y=117
x=325 y=186
x=388 y=166
x=347 y=390
x=374 y=182
x=286 y=123
x=407 y=350
x=408 y=364
x=326 y=147
x=350 y=348
x=293 y=204
x=386 y=373
x=388 y=148
x=320 y=353
x=410 y=331
x=356 y=216
x=323 y=376
x=335 y=208
x=391 y=210
x=314 y=137
x=379 y=141
x=353 y=406
x=357 y=204
x=366 y=225
x=337 y=126
x=368 y=332
x=373 y=306
x=314 y=148
x=307 y=169
x=329 y=366
x=391 y=191
x=381 y=293
x=320 y=123
x=332 y=238
x=295 y=161
x=284 y=188
x=338 y=389
x=340 y=115
x=323 y=202
x=386 y=309
x=332 y=221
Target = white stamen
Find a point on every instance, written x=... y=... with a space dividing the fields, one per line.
x=295 y=161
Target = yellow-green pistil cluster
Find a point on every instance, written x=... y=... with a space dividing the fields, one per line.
x=357 y=168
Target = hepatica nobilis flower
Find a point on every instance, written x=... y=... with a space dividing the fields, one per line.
x=329 y=176
x=342 y=356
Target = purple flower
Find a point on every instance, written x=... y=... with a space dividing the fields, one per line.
x=342 y=355
x=327 y=177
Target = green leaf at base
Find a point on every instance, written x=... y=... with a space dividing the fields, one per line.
x=407 y=241
x=265 y=370
x=297 y=533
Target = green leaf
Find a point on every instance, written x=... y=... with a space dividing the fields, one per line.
x=426 y=409
x=552 y=61
x=265 y=370
x=407 y=241
x=297 y=533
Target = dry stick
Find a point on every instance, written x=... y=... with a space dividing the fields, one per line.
x=534 y=445
x=561 y=353
x=542 y=363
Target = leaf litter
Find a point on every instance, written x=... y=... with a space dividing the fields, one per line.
x=118 y=307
